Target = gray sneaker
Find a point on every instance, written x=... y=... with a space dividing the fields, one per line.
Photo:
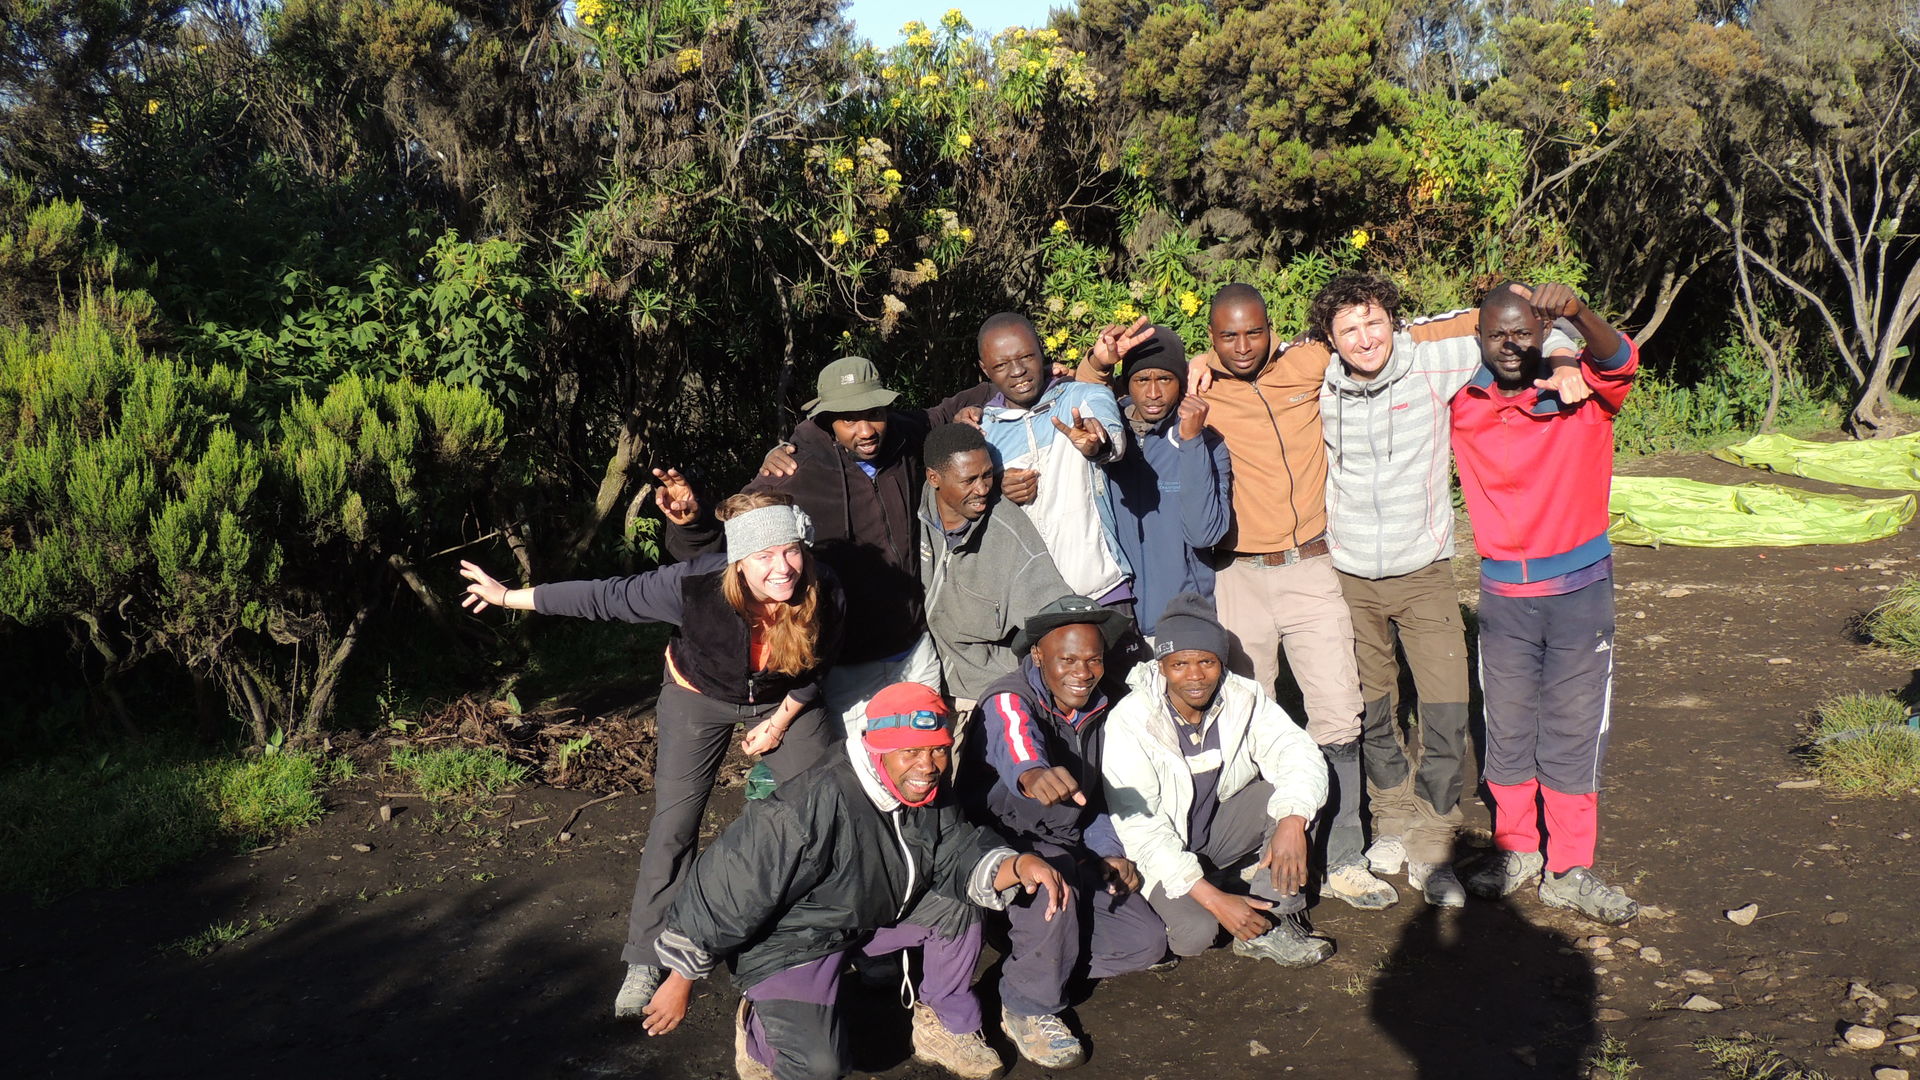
x=637 y=989
x=1387 y=855
x=1287 y=944
x=1438 y=883
x=1043 y=1040
x=1581 y=890
x=1505 y=873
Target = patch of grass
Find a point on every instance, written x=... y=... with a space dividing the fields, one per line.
x=1610 y=1059
x=104 y=820
x=266 y=798
x=1747 y=1058
x=213 y=938
x=1895 y=624
x=456 y=772
x=1883 y=758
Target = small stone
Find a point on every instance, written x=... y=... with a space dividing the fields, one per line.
x=564 y=837
x=1603 y=954
x=1860 y=991
x=363 y=848
x=1650 y=954
x=1609 y=1016
x=1861 y=1037
x=1696 y=977
x=1900 y=991
x=1899 y=1030
x=1908 y=1018
x=336 y=858
x=1781 y=660
x=1910 y=1050
x=1526 y=1055
x=1796 y=785
x=1677 y=592
x=386 y=811
x=1699 y=1003
x=1888 y=1072
x=1649 y=911
x=1629 y=943
x=1255 y=1048
x=1743 y=915
x=1639 y=614
x=1602 y=970
x=1835 y=918
x=1596 y=941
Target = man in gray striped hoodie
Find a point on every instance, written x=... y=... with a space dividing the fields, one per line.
x=1390 y=528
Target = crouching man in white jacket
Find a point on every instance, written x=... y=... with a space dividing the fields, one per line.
x=1203 y=773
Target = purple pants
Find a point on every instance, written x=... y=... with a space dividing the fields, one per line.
x=1098 y=936
x=793 y=1025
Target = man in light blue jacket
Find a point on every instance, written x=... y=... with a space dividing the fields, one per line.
x=1203 y=772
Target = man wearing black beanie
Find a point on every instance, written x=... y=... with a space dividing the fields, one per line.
x=1171 y=492
x=1203 y=773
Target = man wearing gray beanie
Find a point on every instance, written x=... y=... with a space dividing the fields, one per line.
x=1205 y=775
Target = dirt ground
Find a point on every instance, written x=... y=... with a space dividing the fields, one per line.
x=420 y=948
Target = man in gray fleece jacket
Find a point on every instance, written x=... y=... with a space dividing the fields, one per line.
x=1390 y=528
x=984 y=567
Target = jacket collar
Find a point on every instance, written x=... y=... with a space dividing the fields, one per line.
x=969 y=534
x=870 y=782
x=997 y=408
x=1146 y=685
x=1539 y=404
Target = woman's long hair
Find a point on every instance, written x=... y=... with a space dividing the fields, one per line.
x=792 y=631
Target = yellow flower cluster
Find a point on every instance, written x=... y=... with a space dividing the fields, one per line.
x=966 y=236
x=929 y=81
x=1060 y=226
x=843 y=165
x=839 y=237
x=688 y=59
x=921 y=40
x=590 y=11
x=955 y=21
x=963 y=140
x=912 y=27
x=153 y=106
x=1189 y=303
x=881 y=236
x=979 y=84
x=1073 y=353
x=1359 y=239
x=927 y=270
x=1125 y=313
x=1056 y=339
x=891 y=176
x=889 y=72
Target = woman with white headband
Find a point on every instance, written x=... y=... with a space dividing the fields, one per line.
x=755 y=629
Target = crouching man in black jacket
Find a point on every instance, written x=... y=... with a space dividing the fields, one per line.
x=857 y=852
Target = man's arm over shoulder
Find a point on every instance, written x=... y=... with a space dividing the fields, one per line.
x=945 y=411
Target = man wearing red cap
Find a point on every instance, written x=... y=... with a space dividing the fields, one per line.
x=859 y=853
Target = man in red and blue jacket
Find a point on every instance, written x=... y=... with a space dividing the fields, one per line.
x=1536 y=473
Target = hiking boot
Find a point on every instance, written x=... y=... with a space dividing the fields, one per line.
x=1043 y=1040
x=1356 y=885
x=1505 y=873
x=965 y=1055
x=1438 y=883
x=637 y=989
x=1287 y=944
x=1386 y=855
x=1165 y=964
x=743 y=1062
x=1581 y=890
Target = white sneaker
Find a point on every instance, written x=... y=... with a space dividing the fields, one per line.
x=1359 y=888
x=1438 y=883
x=1387 y=854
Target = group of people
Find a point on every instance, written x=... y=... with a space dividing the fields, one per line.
x=1018 y=652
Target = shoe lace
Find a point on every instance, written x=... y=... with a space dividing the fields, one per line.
x=1052 y=1027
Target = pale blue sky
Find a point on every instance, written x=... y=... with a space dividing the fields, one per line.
x=880 y=20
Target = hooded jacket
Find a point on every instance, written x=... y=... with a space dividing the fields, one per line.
x=1071 y=510
x=981 y=589
x=1172 y=501
x=831 y=856
x=1021 y=730
x=1150 y=790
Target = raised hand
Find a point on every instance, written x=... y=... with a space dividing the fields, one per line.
x=1020 y=485
x=1568 y=382
x=1552 y=300
x=1115 y=342
x=1051 y=786
x=483 y=591
x=1089 y=436
x=1193 y=417
x=675 y=497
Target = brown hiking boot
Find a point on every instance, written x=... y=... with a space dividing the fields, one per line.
x=965 y=1055
x=743 y=1062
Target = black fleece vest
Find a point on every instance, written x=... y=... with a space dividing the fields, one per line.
x=714 y=648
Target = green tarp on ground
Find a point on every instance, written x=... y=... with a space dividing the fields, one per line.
x=1893 y=464
x=1654 y=510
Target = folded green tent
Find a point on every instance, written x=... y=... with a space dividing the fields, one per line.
x=1654 y=510
x=1872 y=463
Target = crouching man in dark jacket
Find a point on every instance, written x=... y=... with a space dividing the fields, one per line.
x=858 y=852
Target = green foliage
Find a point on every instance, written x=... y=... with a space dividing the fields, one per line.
x=1861 y=743
x=80 y=822
x=214 y=938
x=1611 y=1061
x=464 y=313
x=1728 y=402
x=456 y=772
x=1747 y=1057
x=52 y=257
x=1895 y=623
